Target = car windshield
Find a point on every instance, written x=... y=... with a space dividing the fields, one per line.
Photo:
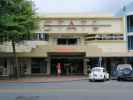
x=97 y=70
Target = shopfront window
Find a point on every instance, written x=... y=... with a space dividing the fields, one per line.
x=38 y=65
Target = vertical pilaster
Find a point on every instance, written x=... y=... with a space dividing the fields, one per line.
x=125 y=60
x=125 y=27
x=85 y=67
x=28 y=67
x=48 y=66
x=8 y=67
x=105 y=63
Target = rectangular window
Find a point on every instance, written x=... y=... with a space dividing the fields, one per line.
x=130 y=23
x=62 y=41
x=130 y=42
x=41 y=36
x=38 y=65
x=67 y=41
x=72 y=41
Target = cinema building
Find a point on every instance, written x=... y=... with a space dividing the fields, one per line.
x=76 y=41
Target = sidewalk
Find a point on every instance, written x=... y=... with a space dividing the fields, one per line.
x=45 y=79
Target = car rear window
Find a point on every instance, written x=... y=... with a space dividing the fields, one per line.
x=97 y=70
x=123 y=66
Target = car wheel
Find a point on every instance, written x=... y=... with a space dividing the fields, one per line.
x=91 y=80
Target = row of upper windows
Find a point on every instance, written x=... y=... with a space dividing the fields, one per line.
x=74 y=41
x=36 y=36
x=41 y=36
x=104 y=37
x=45 y=37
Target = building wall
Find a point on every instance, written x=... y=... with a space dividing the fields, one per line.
x=70 y=27
x=83 y=25
x=110 y=46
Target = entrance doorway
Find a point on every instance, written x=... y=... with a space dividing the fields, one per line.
x=70 y=64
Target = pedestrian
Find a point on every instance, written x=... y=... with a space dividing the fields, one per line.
x=58 y=67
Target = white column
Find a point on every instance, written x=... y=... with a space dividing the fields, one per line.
x=82 y=42
x=125 y=27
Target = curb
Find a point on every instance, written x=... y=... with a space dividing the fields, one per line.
x=42 y=81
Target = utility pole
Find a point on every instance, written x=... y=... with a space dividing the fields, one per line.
x=100 y=61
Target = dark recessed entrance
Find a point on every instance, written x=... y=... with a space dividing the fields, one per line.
x=38 y=65
x=71 y=64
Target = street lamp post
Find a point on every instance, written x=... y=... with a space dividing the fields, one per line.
x=100 y=61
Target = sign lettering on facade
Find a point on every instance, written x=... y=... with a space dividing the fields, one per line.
x=71 y=25
x=82 y=25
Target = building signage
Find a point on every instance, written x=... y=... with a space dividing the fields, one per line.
x=75 y=25
x=71 y=25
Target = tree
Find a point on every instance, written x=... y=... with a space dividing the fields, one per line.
x=16 y=21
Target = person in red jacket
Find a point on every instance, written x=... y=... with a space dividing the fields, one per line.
x=58 y=67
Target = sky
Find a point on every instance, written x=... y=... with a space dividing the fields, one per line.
x=79 y=6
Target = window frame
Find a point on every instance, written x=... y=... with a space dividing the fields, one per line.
x=67 y=41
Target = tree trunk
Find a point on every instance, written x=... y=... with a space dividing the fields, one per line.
x=16 y=67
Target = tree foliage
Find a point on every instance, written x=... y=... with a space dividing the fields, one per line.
x=16 y=19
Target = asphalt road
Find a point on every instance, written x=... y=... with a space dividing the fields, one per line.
x=75 y=90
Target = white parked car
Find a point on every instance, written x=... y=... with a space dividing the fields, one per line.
x=98 y=73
